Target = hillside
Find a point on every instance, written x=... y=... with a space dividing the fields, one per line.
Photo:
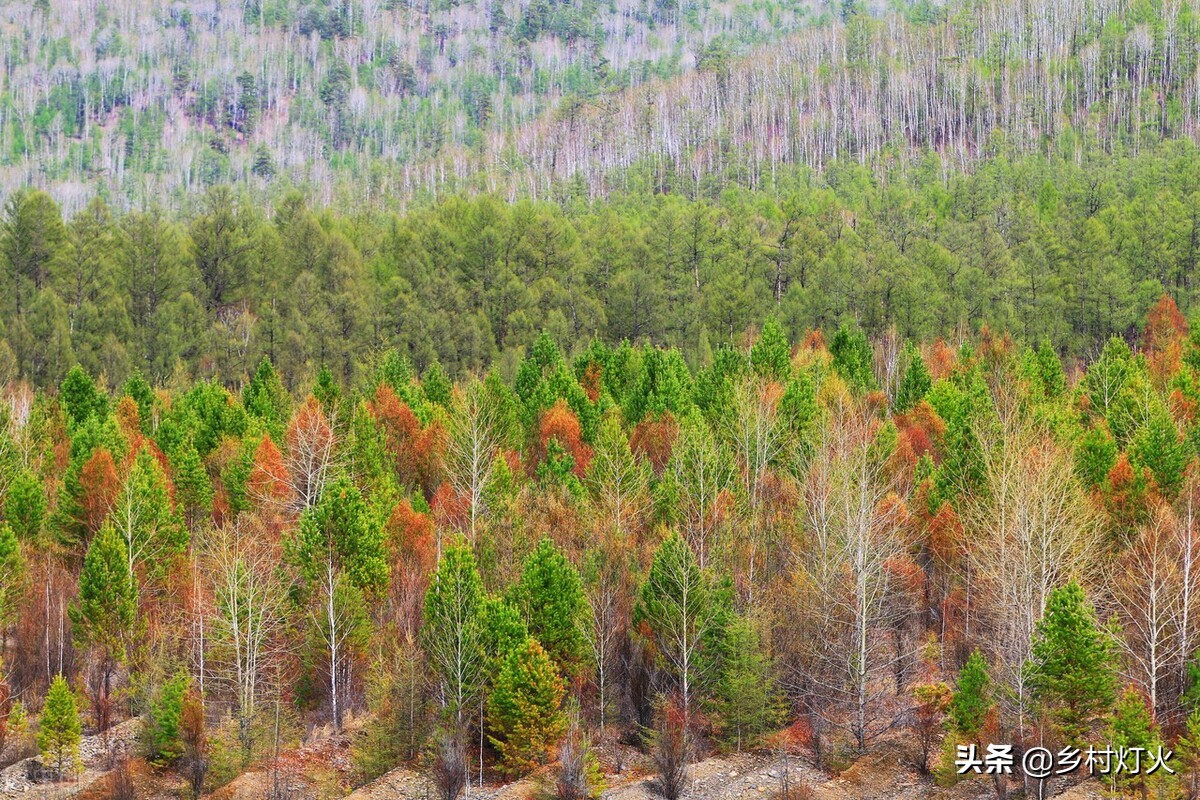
x=377 y=104
x=155 y=99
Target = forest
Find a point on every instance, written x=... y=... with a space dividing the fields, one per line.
x=1048 y=248
x=547 y=400
x=818 y=543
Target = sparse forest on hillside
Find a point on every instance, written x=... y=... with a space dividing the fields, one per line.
x=374 y=104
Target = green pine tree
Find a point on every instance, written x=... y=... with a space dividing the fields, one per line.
x=771 y=355
x=25 y=505
x=80 y=398
x=265 y=399
x=1132 y=726
x=436 y=385
x=853 y=358
x=915 y=381
x=161 y=728
x=105 y=610
x=551 y=599
x=60 y=731
x=525 y=716
x=972 y=703
x=12 y=574
x=1072 y=675
x=193 y=488
x=746 y=702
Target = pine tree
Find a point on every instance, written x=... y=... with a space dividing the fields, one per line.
x=914 y=381
x=972 y=703
x=12 y=575
x=1095 y=456
x=161 y=732
x=1052 y=381
x=771 y=355
x=265 y=399
x=60 y=730
x=192 y=485
x=436 y=385
x=1072 y=674
x=525 y=716
x=746 y=700
x=80 y=397
x=339 y=549
x=853 y=358
x=103 y=614
x=1132 y=727
x=1159 y=447
x=551 y=599
x=106 y=607
x=25 y=506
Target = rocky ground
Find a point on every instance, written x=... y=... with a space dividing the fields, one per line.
x=320 y=770
x=26 y=778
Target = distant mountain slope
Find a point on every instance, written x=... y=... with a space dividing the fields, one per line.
x=152 y=99
x=996 y=76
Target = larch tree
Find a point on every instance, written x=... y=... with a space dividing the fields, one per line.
x=103 y=615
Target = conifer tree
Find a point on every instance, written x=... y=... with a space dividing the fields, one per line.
x=771 y=355
x=25 y=505
x=853 y=358
x=340 y=551
x=437 y=385
x=972 y=702
x=525 y=714
x=161 y=732
x=80 y=397
x=914 y=381
x=551 y=599
x=60 y=730
x=746 y=700
x=104 y=613
x=1159 y=447
x=1133 y=727
x=265 y=399
x=1072 y=674
x=12 y=575
x=193 y=487
x=1052 y=381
